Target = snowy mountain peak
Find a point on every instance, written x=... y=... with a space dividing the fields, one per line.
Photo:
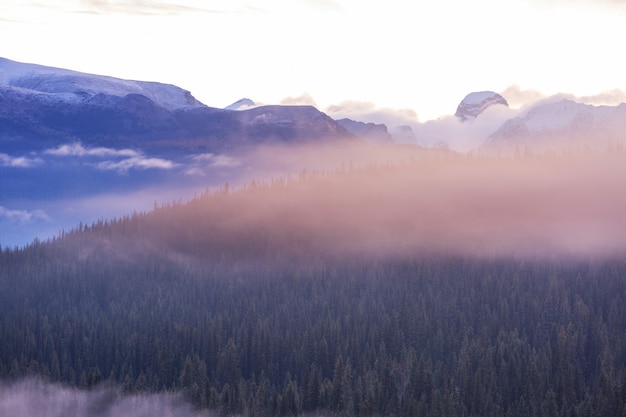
x=475 y=103
x=243 y=104
x=562 y=122
x=73 y=86
x=551 y=118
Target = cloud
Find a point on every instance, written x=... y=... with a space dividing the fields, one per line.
x=23 y=216
x=465 y=136
x=324 y=5
x=305 y=99
x=518 y=97
x=210 y=160
x=432 y=201
x=136 y=162
x=610 y=97
x=217 y=160
x=364 y=111
x=142 y=7
x=37 y=399
x=606 y=3
x=132 y=159
x=77 y=149
x=18 y=162
x=5 y=20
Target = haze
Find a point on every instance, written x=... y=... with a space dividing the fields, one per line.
x=395 y=202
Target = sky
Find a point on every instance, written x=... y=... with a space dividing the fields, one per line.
x=418 y=58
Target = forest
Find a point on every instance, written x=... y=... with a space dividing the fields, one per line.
x=442 y=285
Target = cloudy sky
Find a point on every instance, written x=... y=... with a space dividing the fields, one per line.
x=421 y=57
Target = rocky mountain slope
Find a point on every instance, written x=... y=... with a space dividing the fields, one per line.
x=477 y=102
x=53 y=106
x=562 y=123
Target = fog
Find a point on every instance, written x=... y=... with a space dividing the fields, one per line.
x=347 y=198
x=396 y=201
x=34 y=398
x=469 y=135
x=568 y=204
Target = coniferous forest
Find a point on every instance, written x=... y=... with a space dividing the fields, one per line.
x=444 y=285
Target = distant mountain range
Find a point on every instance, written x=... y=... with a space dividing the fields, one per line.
x=562 y=122
x=44 y=105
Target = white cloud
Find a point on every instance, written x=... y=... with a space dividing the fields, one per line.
x=302 y=100
x=219 y=161
x=77 y=149
x=518 y=97
x=204 y=164
x=364 y=111
x=139 y=7
x=23 y=216
x=463 y=136
x=136 y=162
x=131 y=159
x=195 y=172
x=18 y=162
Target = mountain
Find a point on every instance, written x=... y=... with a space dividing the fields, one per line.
x=562 y=122
x=242 y=104
x=55 y=85
x=475 y=103
x=44 y=106
x=372 y=132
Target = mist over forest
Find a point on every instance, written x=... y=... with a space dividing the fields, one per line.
x=389 y=202
x=370 y=281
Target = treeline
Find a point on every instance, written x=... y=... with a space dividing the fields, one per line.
x=321 y=294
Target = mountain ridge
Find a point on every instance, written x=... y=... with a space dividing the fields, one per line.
x=477 y=102
x=48 y=105
x=562 y=122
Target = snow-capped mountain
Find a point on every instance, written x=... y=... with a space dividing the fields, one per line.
x=563 y=122
x=43 y=105
x=62 y=85
x=475 y=103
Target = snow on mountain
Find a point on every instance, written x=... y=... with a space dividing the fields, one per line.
x=243 y=104
x=56 y=84
x=475 y=103
x=44 y=106
x=564 y=121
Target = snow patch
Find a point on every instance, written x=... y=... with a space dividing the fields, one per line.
x=74 y=86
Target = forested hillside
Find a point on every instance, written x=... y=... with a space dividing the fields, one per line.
x=439 y=286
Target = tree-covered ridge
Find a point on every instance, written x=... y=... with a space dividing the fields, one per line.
x=269 y=301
